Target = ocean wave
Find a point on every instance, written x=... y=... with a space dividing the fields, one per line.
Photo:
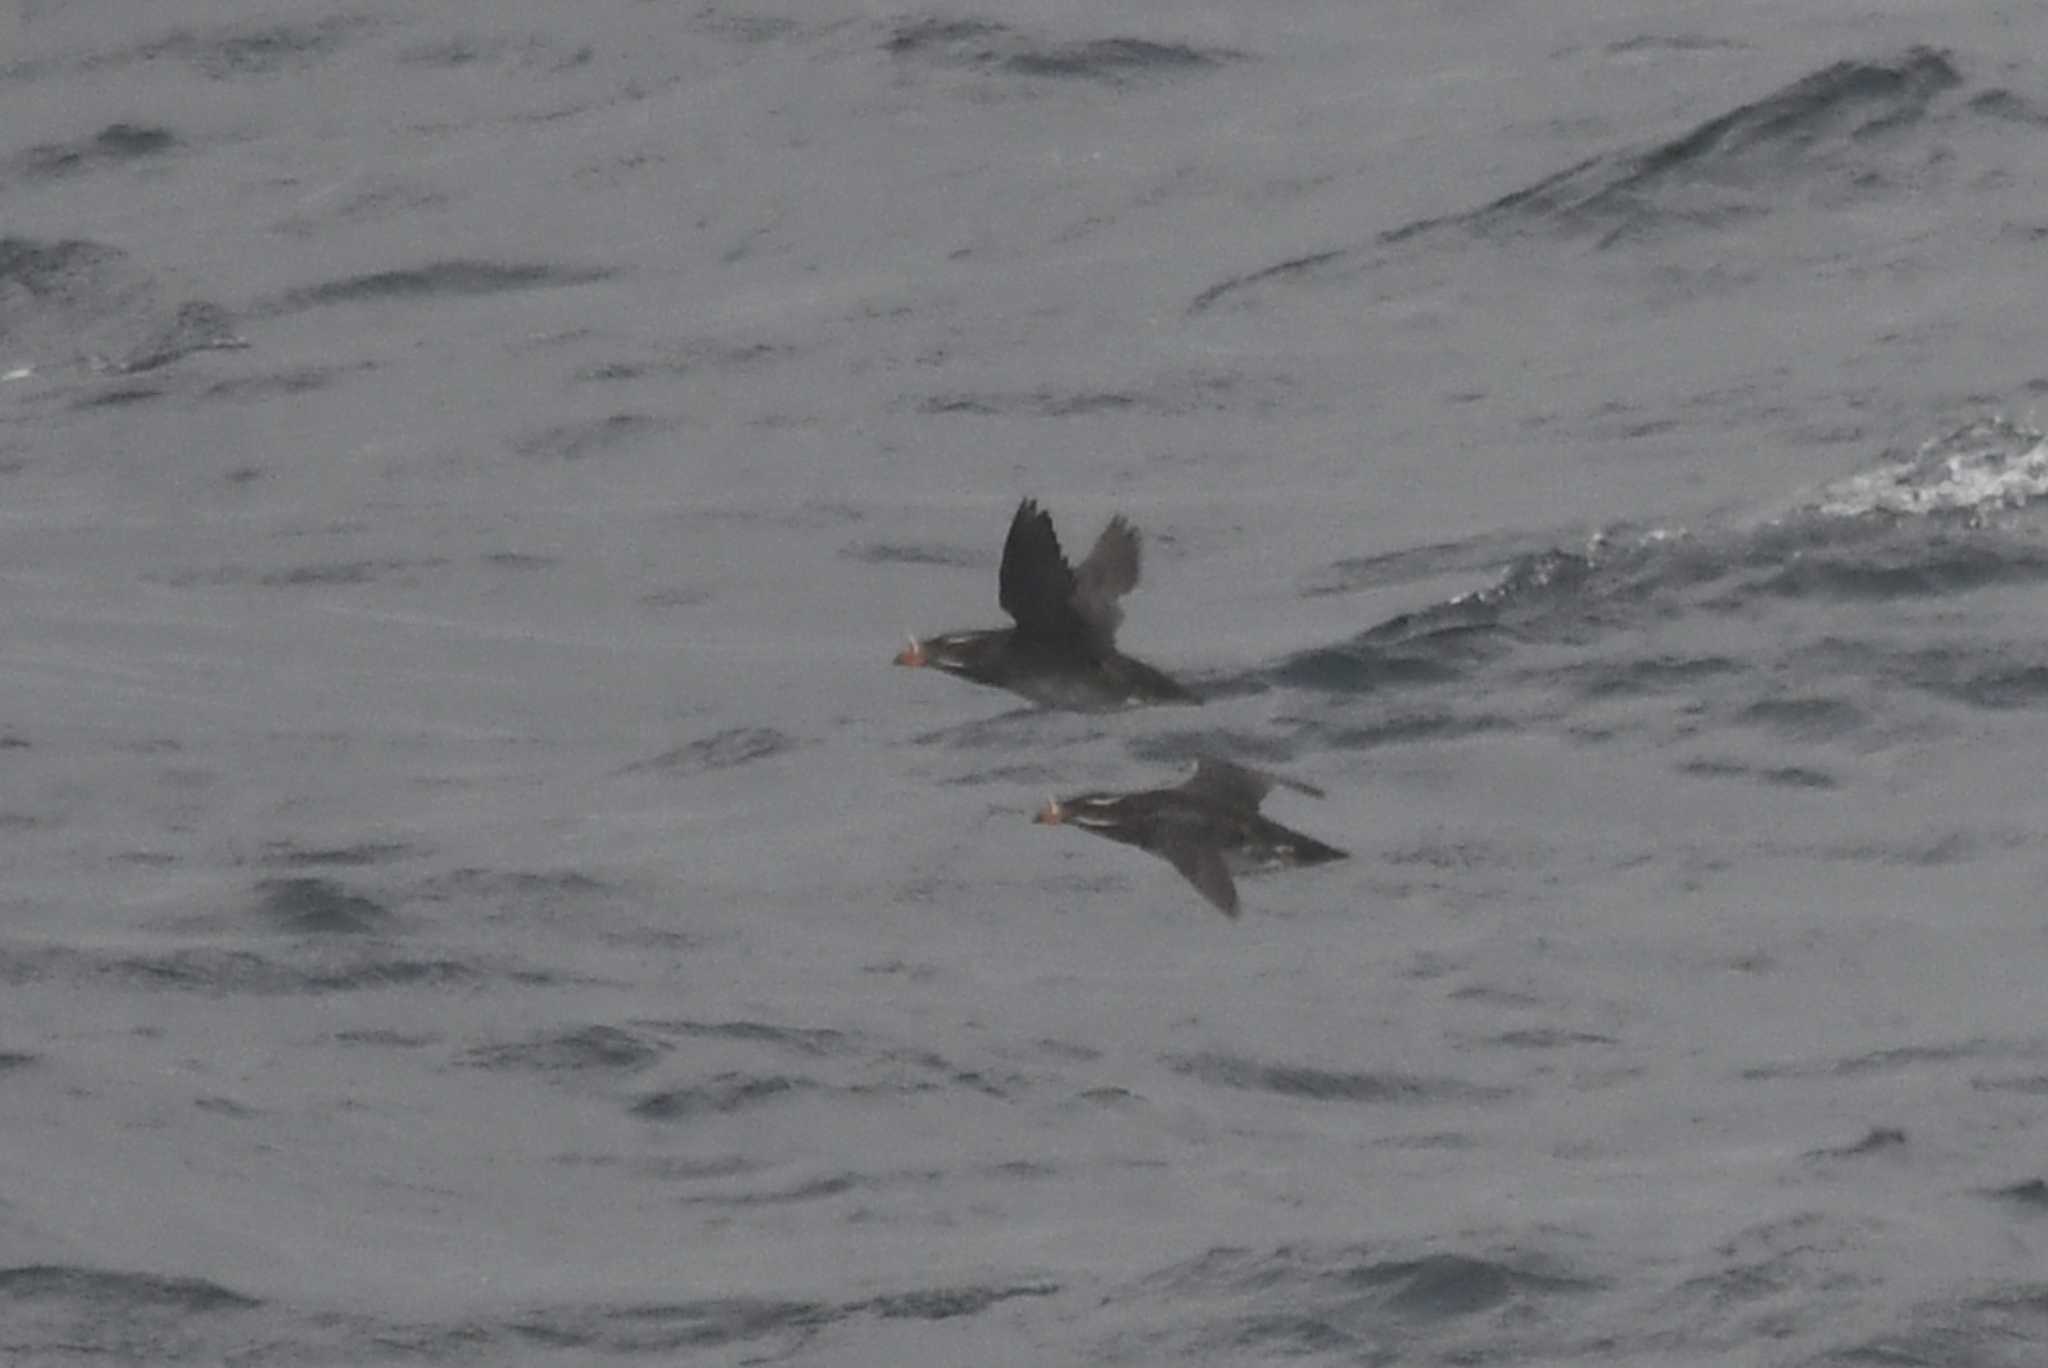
x=1959 y=516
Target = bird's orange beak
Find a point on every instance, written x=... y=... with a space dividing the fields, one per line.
x=1052 y=814
x=913 y=654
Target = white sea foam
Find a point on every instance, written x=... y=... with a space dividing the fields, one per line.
x=1989 y=465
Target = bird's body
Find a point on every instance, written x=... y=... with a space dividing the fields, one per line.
x=1062 y=651
x=1208 y=828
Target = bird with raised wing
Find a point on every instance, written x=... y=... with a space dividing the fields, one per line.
x=1062 y=651
x=1208 y=827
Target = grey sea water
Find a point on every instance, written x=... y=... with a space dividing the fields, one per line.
x=478 y=893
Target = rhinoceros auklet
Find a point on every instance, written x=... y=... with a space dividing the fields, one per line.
x=1062 y=652
x=1205 y=828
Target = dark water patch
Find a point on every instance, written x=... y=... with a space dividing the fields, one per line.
x=75 y=300
x=1109 y=1097
x=1804 y=719
x=1980 y=673
x=612 y=371
x=337 y=574
x=1363 y=1306
x=1172 y=394
x=551 y=886
x=768 y=1329
x=55 y=1313
x=2004 y=1328
x=2030 y=1195
x=2027 y=1085
x=212 y=971
x=1447 y=1286
x=929 y=33
x=574 y=441
x=1031 y=775
x=1879 y=1140
x=671 y=1328
x=446 y=53
x=1460 y=856
x=1069 y=1051
x=452 y=279
x=1824 y=134
x=1881 y=1061
x=2000 y=103
x=1776 y=776
x=284 y=384
x=1312 y=269
x=1003 y=1087
x=907 y=553
x=1017 y=729
x=678 y=1169
x=1997 y=687
x=1657 y=43
x=1924 y=852
x=1646 y=677
x=677 y=597
x=1433 y=966
x=101 y=1290
x=368 y=973
x=1911 y=1056
x=1289 y=1334
x=1469 y=556
x=1402 y=728
x=120 y=396
x=728 y=749
x=1548 y=1038
x=228 y=1107
x=253 y=50
x=320 y=907
x=743 y=28
x=359 y=855
x=721 y=1095
x=520 y=560
x=127 y=141
x=810 y=1190
x=1327 y=1085
x=814 y=515
x=196 y=326
x=1181 y=747
x=1909 y=566
x=949 y=1303
x=593 y=1049
x=1037 y=404
x=957 y=403
x=1368 y=667
x=1536 y=595
x=12 y=1060
x=113 y=145
x=1072 y=405
x=995 y=48
x=73 y=270
x=1221 y=1269
x=714 y=354
x=557 y=897
x=385 y=1039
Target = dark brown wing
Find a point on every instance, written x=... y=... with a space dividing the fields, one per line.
x=1239 y=785
x=1035 y=585
x=1110 y=572
x=1202 y=866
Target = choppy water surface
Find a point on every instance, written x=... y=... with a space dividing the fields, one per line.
x=479 y=894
